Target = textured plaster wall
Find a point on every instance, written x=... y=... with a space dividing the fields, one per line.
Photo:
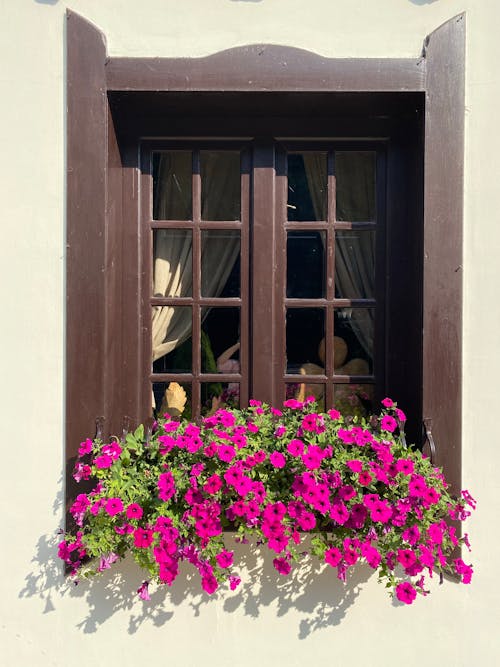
x=42 y=620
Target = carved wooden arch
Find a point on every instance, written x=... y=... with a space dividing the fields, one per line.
x=98 y=361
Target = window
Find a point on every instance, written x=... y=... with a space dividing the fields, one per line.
x=327 y=280
x=286 y=112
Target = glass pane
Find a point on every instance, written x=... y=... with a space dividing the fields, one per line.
x=353 y=400
x=354 y=264
x=305 y=329
x=173 y=262
x=171 y=327
x=220 y=263
x=172 y=398
x=307 y=186
x=216 y=395
x=353 y=342
x=172 y=183
x=220 y=341
x=305 y=275
x=220 y=185
x=355 y=179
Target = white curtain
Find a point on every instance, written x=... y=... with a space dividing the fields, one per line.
x=355 y=256
x=172 y=276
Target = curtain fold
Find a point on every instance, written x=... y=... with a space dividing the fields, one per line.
x=173 y=261
x=355 y=257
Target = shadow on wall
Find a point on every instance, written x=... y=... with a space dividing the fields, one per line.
x=312 y=591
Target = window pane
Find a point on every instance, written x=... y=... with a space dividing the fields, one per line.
x=220 y=263
x=173 y=398
x=305 y=329
x=305 y=276
x=307 y=186
x=172 y=327
x=172 y=183
x=220 y=341
x=355 y=179
x=173 y=262
x=354 y=264
x=353 y=342
x=215 y=395
x=220 y=185
x=353 y=400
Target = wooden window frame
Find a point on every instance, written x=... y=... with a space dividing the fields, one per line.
x=105 y=348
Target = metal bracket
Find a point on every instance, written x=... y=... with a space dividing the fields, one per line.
x=430 y=439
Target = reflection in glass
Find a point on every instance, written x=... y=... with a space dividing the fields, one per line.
x=216 y=395
x=353 y=342
x=305 y=273
x=221 y=346
x=220 y=265
x=172 y=398
x=172 y=185
x=220 y=185
x=355 y=185
x=173 y=262
x=353 y=400
x=354 y=264
x=305 y=329
x=171 y=327
x=307 y=185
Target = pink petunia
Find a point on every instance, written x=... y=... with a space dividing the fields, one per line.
x=405 y=592
x=143 y=592
x=134 y=511
x=277 y=460
x=388 y=423
x=85 y=447
x=333 y=556
x=143 y=538
x=387 y=403
x=282 y=566
x=225 y=559
x=114 y=506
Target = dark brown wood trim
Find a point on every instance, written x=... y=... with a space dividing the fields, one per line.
x=443 y=222
x=265 y=67
x=85 y=243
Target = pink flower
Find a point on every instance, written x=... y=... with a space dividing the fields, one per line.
x=400 y=415
x=103 y=461
x=355 y=465
x=224 y=559
x=134 y=511
x=209 y=584
x=293 y=404
x=380 y=512
x=387 y=403
x=333 y=556
x=282 y=566
x=143 y=537
x=464 y=570
x=334 y=414
x=405 y=592
x=365 y=478
x=143 y=591
x=85 y=447
x=406 y=557
x=226 y=453
x=114 y=506
x=295 y=447
x=406 y=466
x=277 y=460
x=234 y=582
x=339 y=513
x=388 y=423
x=213 y=484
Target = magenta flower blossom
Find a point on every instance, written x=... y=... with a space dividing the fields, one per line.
x=405 y=592
x=143 y=538
x=234 y=582
x=388 y=423
x=405 y=466
x=465 y=571
x=209 y=584
x=143 y=592
x=225 y=559
x=103 y=461
x=355 y=465
x=387 y=403
x=85 y=447
x=295 y=447
x=293 y=404
x=134 y=511
x=114 y=506
x=277 y=460
x=282 y=566
x=333 y=556
x=339 y=513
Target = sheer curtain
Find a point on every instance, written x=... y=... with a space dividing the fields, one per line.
x=355 y=256
x=172 y=275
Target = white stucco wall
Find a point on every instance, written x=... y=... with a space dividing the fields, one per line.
x=45 y=623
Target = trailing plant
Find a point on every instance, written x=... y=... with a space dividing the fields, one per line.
x=271 y=476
